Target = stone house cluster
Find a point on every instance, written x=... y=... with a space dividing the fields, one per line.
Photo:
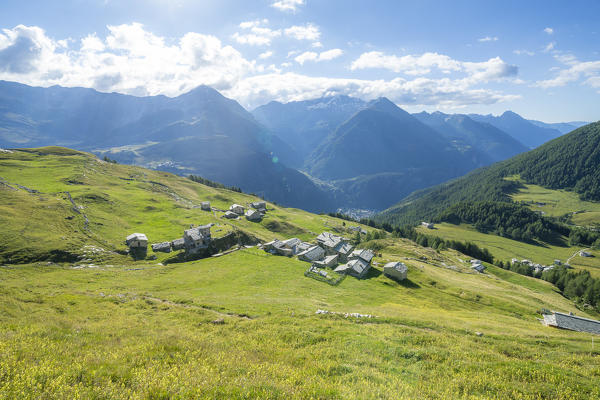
x=537 y=268
x=256 y=211
x=193 y=241
x=333 y=252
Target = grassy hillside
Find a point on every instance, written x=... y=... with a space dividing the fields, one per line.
x=117 y=200
x=558 y=203
x=243 y=325
x=505 y=249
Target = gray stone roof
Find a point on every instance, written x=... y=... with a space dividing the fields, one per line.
x=572 y=322
x=395 y=270
x=344 y=248
x=365 y=254
x=313 y=254
x=193 y=234
x=137 y=236
x=359 y=267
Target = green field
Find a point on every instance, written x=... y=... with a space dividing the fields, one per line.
x=556 y=203
x=506 y=249
x=244 y=325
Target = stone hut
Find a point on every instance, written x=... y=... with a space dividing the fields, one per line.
x=205 y=206
x=261 y=206
x=164 y=247
x=364 y=254
x=571 y=322
x=230 y=215
x=428 y=225
x=395 y=270
x=177 y=244
x=278 y=247
x=236 y=208
x=253 y=215
x=137 y=240
x=357 y=268
x=314 y=253
x=138 y=245
x=327 y=262
x=196 y=239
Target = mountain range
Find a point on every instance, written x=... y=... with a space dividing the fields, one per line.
x=319 y=154
x=570 y=162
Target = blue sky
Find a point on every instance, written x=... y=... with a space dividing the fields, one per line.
x=540 y=59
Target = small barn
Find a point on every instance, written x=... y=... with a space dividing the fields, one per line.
x=478 y=267
x=357 y=268
x=343 y=250
x=584 y=253
x=314 y=253
x=572 y=322
x=395 y=270
x=177 y=244
x=278 y=247
x=138 y=245
x=253 y=215
x=364 y=254
x=137 y=240
x=196 y=239
x=328 y=261
x=205 y=206
x=164 y=247
x=428 y=225
x=236 y=208
x=230 y=215
x=259 y=205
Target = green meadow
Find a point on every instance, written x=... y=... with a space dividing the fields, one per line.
x=556 y=203
x=506 y=249
x=80 y=320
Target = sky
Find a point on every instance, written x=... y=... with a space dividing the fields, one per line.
x=540 y=59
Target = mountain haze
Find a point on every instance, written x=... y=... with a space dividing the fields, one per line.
x=496 y=144
x=304 y=125
x=200 y=132
x=519 y=128
x=570 y=162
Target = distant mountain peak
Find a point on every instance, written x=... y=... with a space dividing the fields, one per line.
x=384 y=104
x=510 y=114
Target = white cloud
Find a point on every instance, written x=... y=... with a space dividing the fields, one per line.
x=286 y=87
x=523 y=52
x=92 y=43
x=255 y=33
x=549 y=47
x=287 y=5
x=588 y=70
x=549 y=31
x=306 y=32
x=317 y=45
x=306 y=56
x=129 y=60
x=323 y=56
x=330 y=54
x=132 y=60
x=265 y=55
x=411 y=65
x=488 y=39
